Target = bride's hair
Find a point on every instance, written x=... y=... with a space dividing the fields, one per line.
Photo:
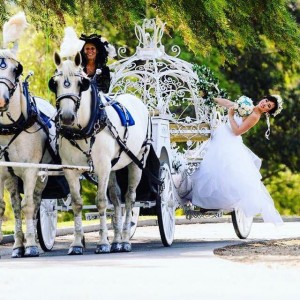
x=274 y=100
x=277 y=100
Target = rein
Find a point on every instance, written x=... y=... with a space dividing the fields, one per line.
x=10 y=85
x=75 y=98
x=124 y=148
x=22 y=124
x=96 y=124
x=6 y=81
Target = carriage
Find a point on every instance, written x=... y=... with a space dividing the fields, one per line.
x=181 y=128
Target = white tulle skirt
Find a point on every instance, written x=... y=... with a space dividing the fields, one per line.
x=229 y=178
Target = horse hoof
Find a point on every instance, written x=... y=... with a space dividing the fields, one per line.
x=18 y=252
x=75 y=250
x=116 y=247
x=32 y=251
x=126 y=247
x=105 y=248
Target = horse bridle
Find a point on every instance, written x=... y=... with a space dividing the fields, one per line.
x=74 y=97
x=10 y=84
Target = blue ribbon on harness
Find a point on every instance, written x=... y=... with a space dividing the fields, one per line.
x=32 y=107
x=45 y=119
x=124 y=114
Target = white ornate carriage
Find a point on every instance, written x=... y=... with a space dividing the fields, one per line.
x=182 y=124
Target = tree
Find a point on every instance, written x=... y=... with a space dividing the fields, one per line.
x=204 y=25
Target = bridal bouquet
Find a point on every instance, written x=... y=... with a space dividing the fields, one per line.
x=244 y=106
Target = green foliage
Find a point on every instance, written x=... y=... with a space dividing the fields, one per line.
x=261 y=73
x=205 y=26
x=285 y=190
x=65 y=216
x=88 y=192
x=208 y=84
x=8 y=215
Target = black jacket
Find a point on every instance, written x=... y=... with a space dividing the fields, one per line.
x=103 y=79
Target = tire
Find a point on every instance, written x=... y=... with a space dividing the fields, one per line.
x=134 y=220
x=166 y=206
x=242 y=224
x=47 y=224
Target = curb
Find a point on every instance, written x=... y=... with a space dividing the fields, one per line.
x=152 y=222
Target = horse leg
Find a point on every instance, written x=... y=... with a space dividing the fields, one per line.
x=28 y=208
x=37 y=199
x=114 y=195
x=134 y=177
x=76 y=247
x=101 y=202
x=12 y=187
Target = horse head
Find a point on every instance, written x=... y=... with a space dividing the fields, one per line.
x=10 y=71
x=68 y=83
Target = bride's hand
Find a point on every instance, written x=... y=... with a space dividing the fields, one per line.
x=231 y=111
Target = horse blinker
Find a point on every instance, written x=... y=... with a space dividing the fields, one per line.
x=52 y=85
x=18 y=70
x=85 y=84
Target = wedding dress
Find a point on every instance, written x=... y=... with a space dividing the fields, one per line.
x=229 y=178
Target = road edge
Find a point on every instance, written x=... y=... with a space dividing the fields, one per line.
x=151 y=222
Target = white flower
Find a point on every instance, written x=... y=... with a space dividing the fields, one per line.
x=244 y=106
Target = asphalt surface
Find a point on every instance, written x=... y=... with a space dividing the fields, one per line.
x=188 y=269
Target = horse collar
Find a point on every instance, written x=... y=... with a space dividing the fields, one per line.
x=96 y=123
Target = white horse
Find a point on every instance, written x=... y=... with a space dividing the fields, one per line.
x=23 y=138
x=76 y=108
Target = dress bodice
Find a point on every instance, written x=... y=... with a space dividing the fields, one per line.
x=237 y=118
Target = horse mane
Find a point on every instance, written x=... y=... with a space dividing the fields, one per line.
x=7 y=53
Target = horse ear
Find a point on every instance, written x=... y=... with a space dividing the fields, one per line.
x=77 y=59
x=18 y=70
x=57 y=59
x=52 y=85
x=85 y=84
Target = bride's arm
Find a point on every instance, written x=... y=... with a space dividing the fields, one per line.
x=224 y=102
x=248 y=123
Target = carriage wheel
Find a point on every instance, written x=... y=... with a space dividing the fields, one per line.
x=47 y=223
x=166 y=206
x=134 y=220
x=241 y=223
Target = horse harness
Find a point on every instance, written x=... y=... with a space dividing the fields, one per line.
x=97 y=123
x=22 y=124
x=6 y=81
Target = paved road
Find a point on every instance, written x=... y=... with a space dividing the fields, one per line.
x=188 y=269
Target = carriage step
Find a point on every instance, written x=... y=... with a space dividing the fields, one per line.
x=95 y=215
x=192 y=211
x=92 y=216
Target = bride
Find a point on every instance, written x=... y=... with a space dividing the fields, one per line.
x=229 y=176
